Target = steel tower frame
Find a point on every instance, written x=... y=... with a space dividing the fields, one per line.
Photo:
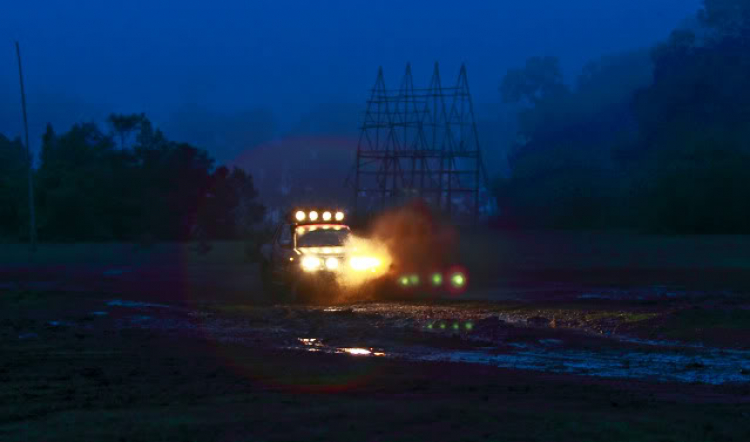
x=420 y=143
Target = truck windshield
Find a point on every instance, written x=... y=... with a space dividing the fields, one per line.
x=322 y=238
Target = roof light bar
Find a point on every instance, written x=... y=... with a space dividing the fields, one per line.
x=312 y=216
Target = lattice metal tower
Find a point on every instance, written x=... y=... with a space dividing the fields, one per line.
x=421 y=143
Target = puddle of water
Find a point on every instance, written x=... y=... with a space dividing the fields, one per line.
x=310 y=342
x=133 y=304
x=707 y=368
x=357 y=351
x=661 y=361
x=314 y=344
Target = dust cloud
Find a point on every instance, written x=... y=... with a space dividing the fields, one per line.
x=409 y=239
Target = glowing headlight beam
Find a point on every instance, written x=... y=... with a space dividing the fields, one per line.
x=300 y=216
x=361 y=263
x=332 y=263
x=313 y=216
x=311 y=263
x=326 y=216
x=339 y=216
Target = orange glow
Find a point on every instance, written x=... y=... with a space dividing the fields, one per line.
x=366 y=259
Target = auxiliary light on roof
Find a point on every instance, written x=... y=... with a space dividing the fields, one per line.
x=312 y=216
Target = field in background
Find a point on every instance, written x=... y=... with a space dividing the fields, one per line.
x=607 y=258
x=492 y=258
x=221 y=252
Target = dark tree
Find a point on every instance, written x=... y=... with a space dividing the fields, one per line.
x=125 y=125
x=156 y=188
x=13 y=202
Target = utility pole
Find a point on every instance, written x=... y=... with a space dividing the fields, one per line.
x=32 y=213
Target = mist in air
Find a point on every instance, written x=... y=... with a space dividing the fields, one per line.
x=254 y=72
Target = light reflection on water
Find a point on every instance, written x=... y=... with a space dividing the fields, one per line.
x=314 y=344
x=356 y=351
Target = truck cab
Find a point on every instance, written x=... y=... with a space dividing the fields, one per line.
x=305 y=252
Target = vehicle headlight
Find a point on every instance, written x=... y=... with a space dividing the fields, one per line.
x=361 y=263
x=332 y=263
x=311 y=263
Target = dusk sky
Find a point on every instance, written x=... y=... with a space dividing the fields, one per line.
x=86 y=58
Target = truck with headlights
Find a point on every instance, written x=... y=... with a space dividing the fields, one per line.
x=309 y=256
x=314 y=256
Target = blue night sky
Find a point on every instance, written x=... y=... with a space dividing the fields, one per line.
x=84 y=58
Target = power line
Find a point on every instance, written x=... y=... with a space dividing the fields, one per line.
x=420 y=142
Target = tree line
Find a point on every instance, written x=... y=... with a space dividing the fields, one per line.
x=128 y=183
x=657 y=141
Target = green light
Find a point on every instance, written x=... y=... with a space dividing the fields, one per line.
x=455 y=326
x=469 y=326
x=437 y=279
x=414 y=279
x=442 y=326
x=458 y=280
x=429 y=326
x=404 y=280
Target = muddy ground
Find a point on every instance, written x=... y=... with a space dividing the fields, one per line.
x=560 y=337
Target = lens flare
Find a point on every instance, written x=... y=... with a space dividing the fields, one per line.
x=437 y=279
x=458 y=280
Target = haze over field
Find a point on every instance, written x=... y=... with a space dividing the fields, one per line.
x=254 y=71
